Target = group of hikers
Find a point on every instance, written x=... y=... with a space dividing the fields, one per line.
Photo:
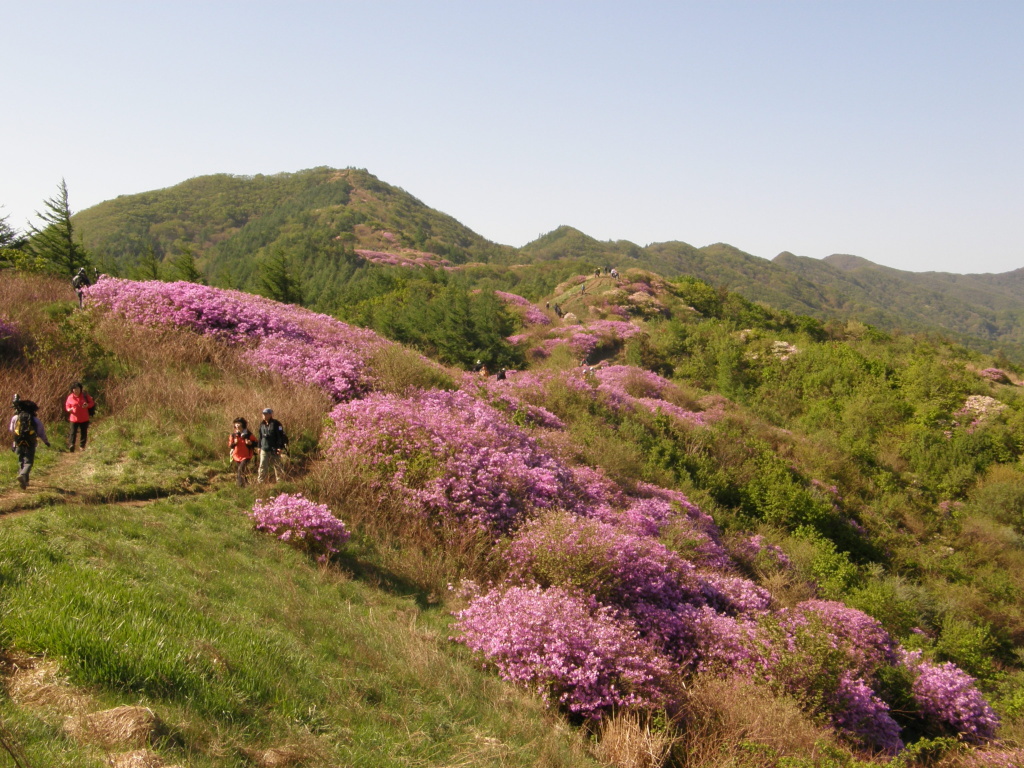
x=27 y=429
x=270 y=441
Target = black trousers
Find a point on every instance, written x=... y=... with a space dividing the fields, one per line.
x=26 y=457
x=78 y=428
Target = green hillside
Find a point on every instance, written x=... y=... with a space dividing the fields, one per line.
x=818 y=467
x=311 y=224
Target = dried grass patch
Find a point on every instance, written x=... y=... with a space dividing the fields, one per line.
x=138 y=758
x=724 y=717
x=628 y=741
x=121 y=727
x=284 y=756
x=38 y=684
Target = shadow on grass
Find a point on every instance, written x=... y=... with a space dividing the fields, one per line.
x=385 y=580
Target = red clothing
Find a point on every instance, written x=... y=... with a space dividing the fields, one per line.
x=241 y=445
x=78 y=406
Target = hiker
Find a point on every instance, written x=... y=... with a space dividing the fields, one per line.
x=272 y=440
x=80 y=407
x=27 y=429
x=79 y=282
x=615 y=273
x=558 y=310
x=501 y=375
x=242 y=445
x=597 y=272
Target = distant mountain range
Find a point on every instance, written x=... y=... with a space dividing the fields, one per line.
x=324 y=220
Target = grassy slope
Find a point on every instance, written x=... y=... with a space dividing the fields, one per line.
x=236 y=641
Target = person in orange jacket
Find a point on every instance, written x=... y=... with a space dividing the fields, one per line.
x=242 y=444
x=80 y=407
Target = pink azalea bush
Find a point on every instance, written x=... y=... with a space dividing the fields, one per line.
x=453 y=455
x=299 y=344
x=948 y=696
x=404 y=259
x=628 y=387
x=566 y=646
x=299 y=521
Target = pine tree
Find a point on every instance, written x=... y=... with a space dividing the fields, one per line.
x=184 y=265
x=9 y=237
x=54 y=245
x=275 y=280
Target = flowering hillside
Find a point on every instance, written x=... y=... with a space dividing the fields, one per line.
x=607 y=589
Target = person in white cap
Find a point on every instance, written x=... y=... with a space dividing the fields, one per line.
x=272 y=441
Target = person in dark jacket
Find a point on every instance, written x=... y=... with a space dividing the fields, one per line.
x=27 y=429
x=272 y=441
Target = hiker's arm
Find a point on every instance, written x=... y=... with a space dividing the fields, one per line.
x=41 y=431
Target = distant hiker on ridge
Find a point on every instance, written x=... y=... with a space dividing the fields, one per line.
x=27 y=429
x=79 y=282
x=272 y=440
x=242 y=444
x=80 y=408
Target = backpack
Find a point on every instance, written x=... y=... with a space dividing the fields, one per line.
x=24 y=428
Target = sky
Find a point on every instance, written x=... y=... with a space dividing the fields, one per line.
x=890 y=130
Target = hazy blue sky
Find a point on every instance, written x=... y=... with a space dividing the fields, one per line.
x=891 y=130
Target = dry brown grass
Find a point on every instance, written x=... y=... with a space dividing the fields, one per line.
x=121 y=727
x=722 y=715
x=412 y=547
x=181 y=376
x=38 y=684
x=137 y=758
x=628 y=741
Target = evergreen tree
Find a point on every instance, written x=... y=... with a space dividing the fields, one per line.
x=54 y=245
x=9 y=237
x=184 y=265
x=276 y=281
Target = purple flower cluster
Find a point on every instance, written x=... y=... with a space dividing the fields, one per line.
x=451 y=454
x=296 y=519
x=997 y=375
x=530 y=313
x=756 y=549
x=857 y=710
x=566 y=646
x=862 y=639
x=627 y=387
x=947 y=695
x=405 y=259
x=617 y=330
x=300 y=345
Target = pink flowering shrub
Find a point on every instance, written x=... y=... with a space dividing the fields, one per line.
x=627 y=387
x=759 y=554
x=300 y=345
x=947 y=695
x=299 y=521
x=566 y=646
x=997 y=375
x=528 y=311
x=858 y=711
x=404 y=259
x=453 y=455
x=863 y=641
x=616 y=330
x=8 y=328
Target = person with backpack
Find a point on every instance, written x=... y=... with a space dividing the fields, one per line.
x=80 y=407
x=272 y=441
x=27 y=429
x=79 y=282
x=242 y=444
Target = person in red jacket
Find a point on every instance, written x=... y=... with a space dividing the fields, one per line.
x=242 y=444
x=79 y=406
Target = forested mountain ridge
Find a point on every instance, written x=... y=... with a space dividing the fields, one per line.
x=325 y=225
